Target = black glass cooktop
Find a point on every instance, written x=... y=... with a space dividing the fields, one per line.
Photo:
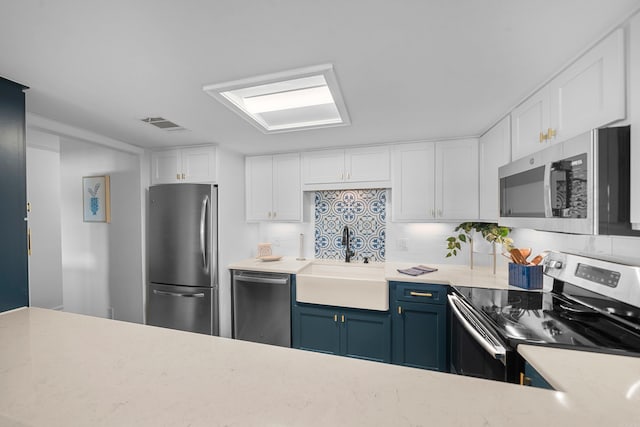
x=550 y=318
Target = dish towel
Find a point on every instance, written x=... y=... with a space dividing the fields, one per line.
x=417 y=270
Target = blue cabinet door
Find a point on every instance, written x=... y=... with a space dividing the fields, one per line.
x=315 y=328
x=335 y=330
x=419 y=335
x=14 y=285
x=419 y=325
x=366 y=335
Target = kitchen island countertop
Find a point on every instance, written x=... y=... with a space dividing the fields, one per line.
x=62 y=369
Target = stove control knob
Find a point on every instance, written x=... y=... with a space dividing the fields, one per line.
x=555 y=264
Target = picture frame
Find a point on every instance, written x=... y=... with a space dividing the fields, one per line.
x=96 y=199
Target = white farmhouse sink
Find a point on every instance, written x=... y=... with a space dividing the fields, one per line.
x=344 y=285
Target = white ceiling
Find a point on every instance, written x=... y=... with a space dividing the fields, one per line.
x=408 y=69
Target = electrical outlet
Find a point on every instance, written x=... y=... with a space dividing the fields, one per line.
x=403 y=244
x=110 y=312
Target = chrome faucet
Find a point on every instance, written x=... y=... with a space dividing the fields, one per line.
x=348 y=253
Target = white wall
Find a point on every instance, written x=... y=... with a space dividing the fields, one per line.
x=235 y=237
x=43 y=193
x=425 y=242
x=101 y=263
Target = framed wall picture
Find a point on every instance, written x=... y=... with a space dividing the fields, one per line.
x=96 y=199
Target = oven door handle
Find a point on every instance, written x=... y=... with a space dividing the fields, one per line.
x=488 y=342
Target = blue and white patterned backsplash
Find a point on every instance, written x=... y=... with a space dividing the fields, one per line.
x=363 y=211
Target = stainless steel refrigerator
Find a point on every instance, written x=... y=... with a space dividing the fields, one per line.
x=182 y=292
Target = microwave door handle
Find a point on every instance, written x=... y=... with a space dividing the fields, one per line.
x=496 y=350
x=547 y=191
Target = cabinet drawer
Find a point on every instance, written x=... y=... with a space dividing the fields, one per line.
x=420 y=292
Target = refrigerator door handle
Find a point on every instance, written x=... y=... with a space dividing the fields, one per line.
x=178 y=294
x=203 y=234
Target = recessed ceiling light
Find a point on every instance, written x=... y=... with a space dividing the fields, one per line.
x=305 y=98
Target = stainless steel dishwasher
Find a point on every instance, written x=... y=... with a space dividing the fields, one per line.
x=261 y=307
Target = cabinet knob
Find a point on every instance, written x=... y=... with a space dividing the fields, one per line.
x=399 y=309
x=335 y=317
x=177 y=176
x=343 y=318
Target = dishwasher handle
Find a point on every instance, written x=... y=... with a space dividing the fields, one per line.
x=261 y=279
x=489 y=343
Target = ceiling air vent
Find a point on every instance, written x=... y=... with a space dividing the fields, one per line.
x=162 y=123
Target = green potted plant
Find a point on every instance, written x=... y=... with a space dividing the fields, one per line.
x=490 y=231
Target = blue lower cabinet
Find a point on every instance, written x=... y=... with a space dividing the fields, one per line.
x=362 y=334
x=531 y=377
x=315 y=328
x=366 y=335
x=419 y=325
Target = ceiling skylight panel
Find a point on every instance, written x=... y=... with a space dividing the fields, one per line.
x=293 y=100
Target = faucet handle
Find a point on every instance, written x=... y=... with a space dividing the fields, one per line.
x=366 y=260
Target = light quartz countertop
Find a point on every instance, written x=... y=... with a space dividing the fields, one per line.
x=62 y=369
x=447 y=274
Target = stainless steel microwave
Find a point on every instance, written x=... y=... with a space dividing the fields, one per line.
x=579 y=186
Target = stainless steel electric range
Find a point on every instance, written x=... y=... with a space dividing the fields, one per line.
x=594 y=306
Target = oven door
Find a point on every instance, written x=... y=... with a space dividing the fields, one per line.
x=475 y=350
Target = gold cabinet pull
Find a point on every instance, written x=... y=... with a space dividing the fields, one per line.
x=551 y=133
x=177 y=176
x=29 y=241
x=524 y=380
x=343 y=318
x=399 y=309
x=543 y=136
x=184 y=176
x=420 y=294
x=335 y=317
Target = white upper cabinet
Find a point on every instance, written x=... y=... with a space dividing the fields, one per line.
x=192 y=164
x=591 y=92
x=349 y=168
x=494 y=150
x=273 y=188
x=413 y=182
x=530 y=121
x=165 y=166
x=457 y=180
x=322 y=167
x=435 y=181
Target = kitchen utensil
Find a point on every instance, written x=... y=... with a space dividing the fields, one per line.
x=517 y=257
x=525 y=252
x=538 y=258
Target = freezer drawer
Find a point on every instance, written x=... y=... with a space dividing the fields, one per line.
x=262 y=307
x=182 y=307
